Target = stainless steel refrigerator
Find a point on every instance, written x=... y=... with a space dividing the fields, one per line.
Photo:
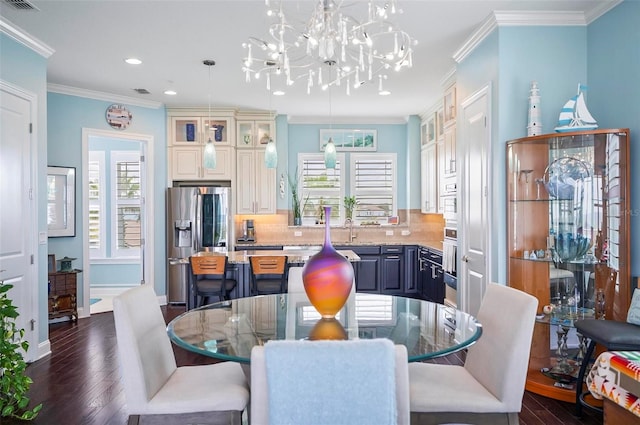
x=197 y=220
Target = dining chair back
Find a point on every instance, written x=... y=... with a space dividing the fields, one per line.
x=269 y=274
x=154 y=385
x=489 y=388
x=353 y=381
x=209 y=279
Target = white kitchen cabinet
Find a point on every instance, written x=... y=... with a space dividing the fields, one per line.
x=188 y=131
x=186 y=163
x=449 y=147
x=428 y=179
x=255 y=183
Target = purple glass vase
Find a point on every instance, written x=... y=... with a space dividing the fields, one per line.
x=327 y=276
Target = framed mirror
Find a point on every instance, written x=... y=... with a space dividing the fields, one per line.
x=61 y=201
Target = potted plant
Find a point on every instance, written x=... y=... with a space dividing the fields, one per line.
x=349 y=204
x=14 y=383
x=296 y=202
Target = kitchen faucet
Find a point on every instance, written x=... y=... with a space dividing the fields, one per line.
x=349 y=222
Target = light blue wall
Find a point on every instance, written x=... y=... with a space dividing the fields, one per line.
x=22 y=67
x=614 y=91
x=68 y=115
x=510 y=58
x=113 y=274
x=398 y=138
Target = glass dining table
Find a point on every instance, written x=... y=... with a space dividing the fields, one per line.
x=228 y=330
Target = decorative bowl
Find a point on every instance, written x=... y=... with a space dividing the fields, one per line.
x=570 y=246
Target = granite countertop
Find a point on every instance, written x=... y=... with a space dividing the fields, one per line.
x=295 y=256
x=437 y=245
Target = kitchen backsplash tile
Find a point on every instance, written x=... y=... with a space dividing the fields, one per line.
x=275 y=230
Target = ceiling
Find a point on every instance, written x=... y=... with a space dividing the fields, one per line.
x=91 y=38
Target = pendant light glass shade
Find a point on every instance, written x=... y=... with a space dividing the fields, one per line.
x=330 y=154
x=271 y=155
x=210 y=157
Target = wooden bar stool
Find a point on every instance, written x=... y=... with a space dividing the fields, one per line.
x=209 y=278
x=269 y=274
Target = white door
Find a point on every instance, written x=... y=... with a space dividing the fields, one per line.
x=475 y=143
x=17 y=209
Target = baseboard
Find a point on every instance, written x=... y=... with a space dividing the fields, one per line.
x=114 y=291
x=44 y=349
x=108 y=291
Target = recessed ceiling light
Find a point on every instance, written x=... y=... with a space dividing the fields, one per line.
x=384 y=92
x=278 y=93
x=170 y=92
x=133 y=61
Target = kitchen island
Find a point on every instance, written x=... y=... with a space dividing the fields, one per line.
x=238 y=268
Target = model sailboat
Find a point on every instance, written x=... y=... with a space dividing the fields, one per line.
x=575 y=116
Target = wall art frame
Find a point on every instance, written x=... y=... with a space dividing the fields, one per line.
x=61 y=201
x=350 y=139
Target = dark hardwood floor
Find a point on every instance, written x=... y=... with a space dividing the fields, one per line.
x=79 y=382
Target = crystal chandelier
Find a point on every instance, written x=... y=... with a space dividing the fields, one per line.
x=360 y=49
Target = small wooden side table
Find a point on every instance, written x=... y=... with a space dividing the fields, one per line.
x=63 y=294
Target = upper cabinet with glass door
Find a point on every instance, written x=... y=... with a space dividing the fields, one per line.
x=254 y=133
x=196 y=130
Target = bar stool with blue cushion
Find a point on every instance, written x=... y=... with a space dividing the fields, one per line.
x=612 y=335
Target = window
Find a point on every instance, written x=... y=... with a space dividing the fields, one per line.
x=373 y=183
x=97 y=228
x=125 y=204
x=320 y=186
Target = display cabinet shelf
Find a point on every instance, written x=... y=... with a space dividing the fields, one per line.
x=567 y=194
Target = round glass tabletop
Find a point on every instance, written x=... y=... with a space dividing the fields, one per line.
x=229 y=330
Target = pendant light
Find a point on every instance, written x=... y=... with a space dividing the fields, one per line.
x=330 y=147
x=270 y=152
x=209 y=157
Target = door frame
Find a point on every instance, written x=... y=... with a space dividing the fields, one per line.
x=463 y=284
x=148 y=259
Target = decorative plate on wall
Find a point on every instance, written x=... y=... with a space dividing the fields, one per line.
x=118 y=116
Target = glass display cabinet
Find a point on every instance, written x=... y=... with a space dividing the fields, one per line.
x=568 y=240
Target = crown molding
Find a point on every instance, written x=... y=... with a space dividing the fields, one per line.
x=300 y=119
x=24 y=38
x=449 y=78
x=97 y=95
x=600 y=9
x=517 y=18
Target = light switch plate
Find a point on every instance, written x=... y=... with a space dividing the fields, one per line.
x=389 y=232
x=297 y=233
x=405 y=233
x=42 y=238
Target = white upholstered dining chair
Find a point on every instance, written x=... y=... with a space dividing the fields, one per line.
x=156 y=390
x=489 y=388
x=329 y=382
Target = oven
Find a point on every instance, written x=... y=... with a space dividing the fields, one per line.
x=449 y=265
